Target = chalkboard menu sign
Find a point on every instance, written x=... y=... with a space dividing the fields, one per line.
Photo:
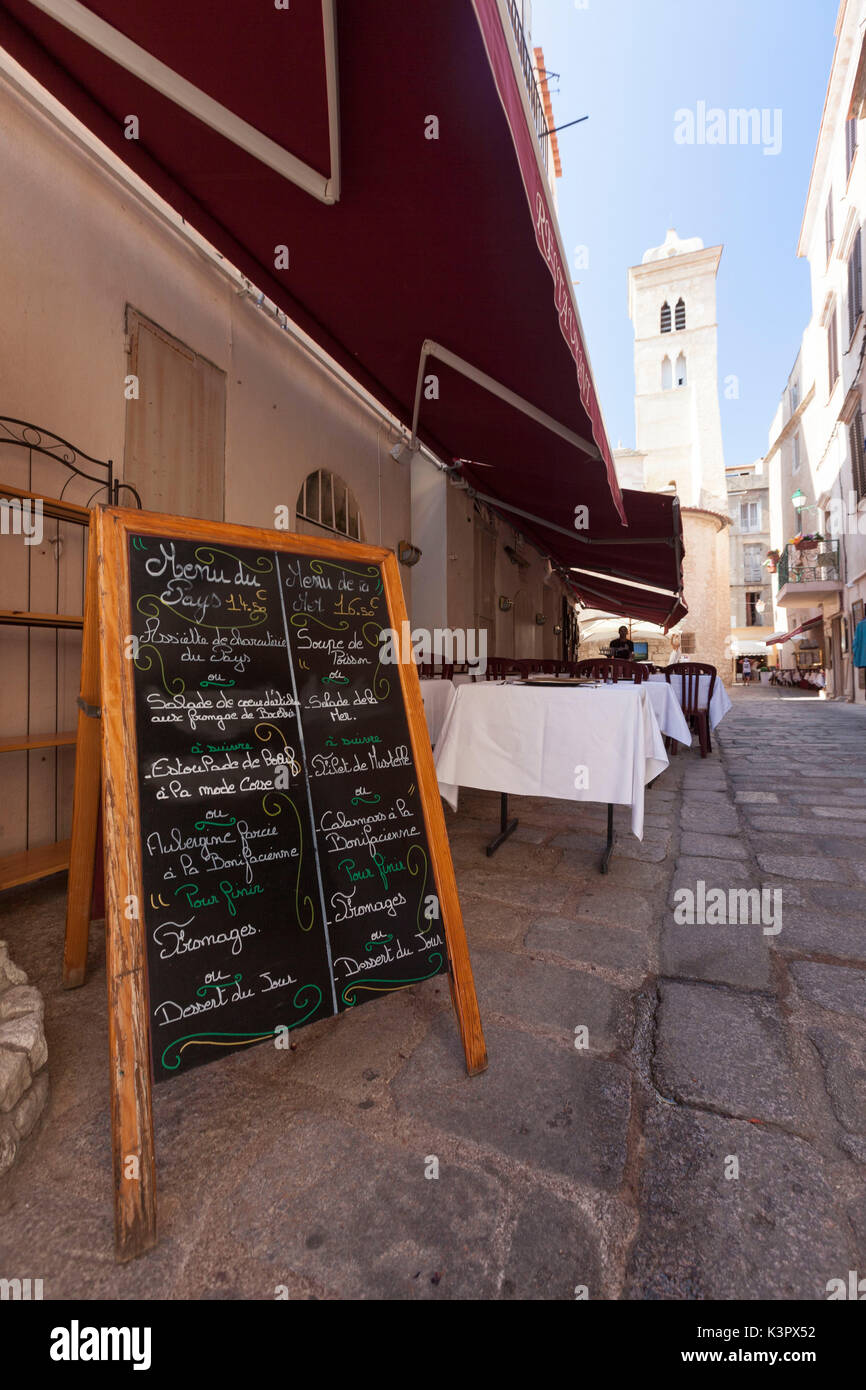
x=275 y=847
x=285 y=860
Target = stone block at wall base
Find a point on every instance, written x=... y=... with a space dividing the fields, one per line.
x=23 y=1055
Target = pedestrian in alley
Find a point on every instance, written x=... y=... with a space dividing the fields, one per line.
x=747 y=671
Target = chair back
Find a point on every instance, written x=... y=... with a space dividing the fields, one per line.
x=498 y=667
x=594 y=668
x=690 y=673
x=603 y=668
x=631 y=670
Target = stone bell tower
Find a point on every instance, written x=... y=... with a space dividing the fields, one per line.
x=678 y=430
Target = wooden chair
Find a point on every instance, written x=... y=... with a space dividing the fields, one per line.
x=697 y=715
x=638 y=670
x=429 y=671
x=498 y=667
x=604 y=668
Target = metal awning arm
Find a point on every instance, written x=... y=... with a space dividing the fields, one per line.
x=488 y=383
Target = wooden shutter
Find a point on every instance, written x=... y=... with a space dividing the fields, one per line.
x=858 y=462
x=855 y=283
x=174 y=451
x=832 y=350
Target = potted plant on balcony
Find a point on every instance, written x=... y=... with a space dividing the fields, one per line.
x=771 y=561
x=808 y=542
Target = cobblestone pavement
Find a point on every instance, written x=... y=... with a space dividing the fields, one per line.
x=711 y=1049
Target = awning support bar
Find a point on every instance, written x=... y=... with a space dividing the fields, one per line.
x=121 y=50
x=489 y=383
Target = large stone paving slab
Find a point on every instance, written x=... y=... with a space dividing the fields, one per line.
x=553 y=1251
x=843 y=1058
x=585 y=943
x=357 y=1215
x=727 y=954
x=708 y=819
x=834 y=987
x=775 y=1232
x=726 y=1051
x=539 y=1102
x=819 y=931
x=551 y=997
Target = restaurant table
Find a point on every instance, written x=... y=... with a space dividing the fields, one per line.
x=719 y=705
x=537 y=740
x=437 y=696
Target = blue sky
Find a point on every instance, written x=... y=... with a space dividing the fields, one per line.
x=630 y=65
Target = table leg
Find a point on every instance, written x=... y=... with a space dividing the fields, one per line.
x=608 y=849
x=506 y=828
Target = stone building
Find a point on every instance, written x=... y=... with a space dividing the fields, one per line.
x=815 y=459
x=751 y=589
x=678 y=433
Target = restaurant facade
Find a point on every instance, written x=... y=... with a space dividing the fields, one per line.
x=154 y=354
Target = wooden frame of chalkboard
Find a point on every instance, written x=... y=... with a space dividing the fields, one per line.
x=219 y=586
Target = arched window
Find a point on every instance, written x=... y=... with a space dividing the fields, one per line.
x=666 y=318
x=326 y=502
x=681 y=378
x=680 y=315
x=667 y=374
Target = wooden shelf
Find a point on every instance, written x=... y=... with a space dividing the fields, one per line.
x=32 y=864
x=20 y=618
x=51 y=506
x=25 y=742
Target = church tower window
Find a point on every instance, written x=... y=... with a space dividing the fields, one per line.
x=680 y=317
x=666 y=318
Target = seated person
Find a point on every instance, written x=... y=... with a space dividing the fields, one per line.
x=622 y=648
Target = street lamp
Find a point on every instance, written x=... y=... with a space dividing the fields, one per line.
x=799 y=500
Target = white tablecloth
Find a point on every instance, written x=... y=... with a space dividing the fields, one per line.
x=437 y=697
x=537 y=741
x=720 y=703
x=667 y=710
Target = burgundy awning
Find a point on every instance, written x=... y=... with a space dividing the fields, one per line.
x=786 y=636
x=628 y=601
x=408 y=256
x=600 y=560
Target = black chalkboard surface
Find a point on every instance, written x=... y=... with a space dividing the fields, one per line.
x=285 y=862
